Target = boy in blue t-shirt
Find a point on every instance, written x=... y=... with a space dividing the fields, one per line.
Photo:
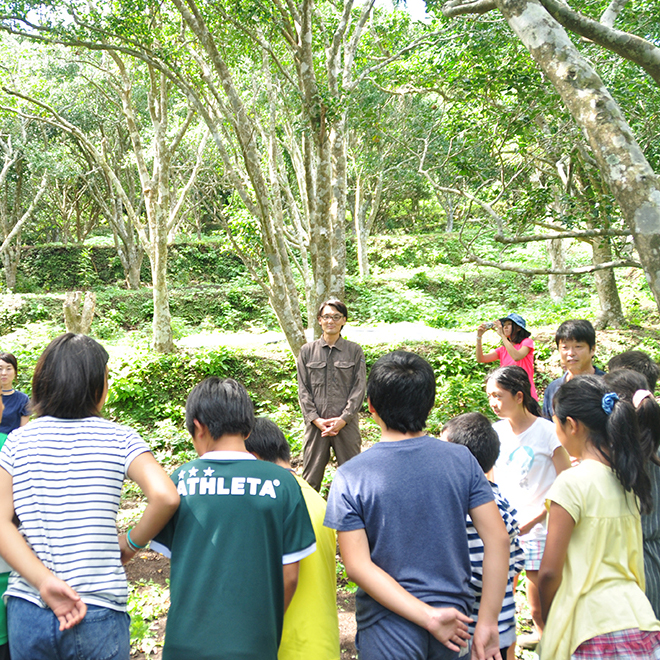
x=400 y=511
x=476 y=432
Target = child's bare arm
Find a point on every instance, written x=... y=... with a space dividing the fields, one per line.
x=447 y=625
x=56 y=593
x=490 y=526
x=560 y=527
x=162 y=502
x=290 y=573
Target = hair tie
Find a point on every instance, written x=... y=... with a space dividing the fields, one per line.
x=639 y=396
x=608 y=401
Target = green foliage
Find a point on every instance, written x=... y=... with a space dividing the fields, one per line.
x=343 y=581
x=149 y=390
x=68 y=267
x=147 y=602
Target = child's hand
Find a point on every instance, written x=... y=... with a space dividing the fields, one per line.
x=486 y=643
x=449 y=626
x=64 y=601
x=127 y=553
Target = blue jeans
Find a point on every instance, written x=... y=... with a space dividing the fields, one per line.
x=34 y=634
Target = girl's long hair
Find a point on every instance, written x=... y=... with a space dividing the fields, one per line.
x=514 y=379
x=615 y=436
x=625 y=382
x=518 y=333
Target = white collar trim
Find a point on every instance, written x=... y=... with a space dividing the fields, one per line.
x=228 y=456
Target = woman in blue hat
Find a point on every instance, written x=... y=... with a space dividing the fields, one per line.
x=517 y=346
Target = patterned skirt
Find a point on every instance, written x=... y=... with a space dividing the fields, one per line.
x=633 y=644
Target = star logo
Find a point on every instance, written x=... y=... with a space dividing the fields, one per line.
x=182 y=474
x=193 y=472
x=209 y=472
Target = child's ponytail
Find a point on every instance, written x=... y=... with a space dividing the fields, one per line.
x=632 y=386
x=613 y=430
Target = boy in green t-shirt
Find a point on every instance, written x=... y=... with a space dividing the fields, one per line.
x=236 y=540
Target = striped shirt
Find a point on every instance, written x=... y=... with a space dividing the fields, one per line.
x=507 y=618
x=67 y=478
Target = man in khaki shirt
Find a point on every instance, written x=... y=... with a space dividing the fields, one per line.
x=331 y=385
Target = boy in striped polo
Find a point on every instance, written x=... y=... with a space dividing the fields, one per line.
x=475 y=431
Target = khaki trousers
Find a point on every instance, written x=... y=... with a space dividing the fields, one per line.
x=316 y=450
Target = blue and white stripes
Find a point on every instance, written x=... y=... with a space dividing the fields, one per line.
x=67 y=479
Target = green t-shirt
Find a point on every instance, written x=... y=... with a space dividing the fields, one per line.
x=238 y=522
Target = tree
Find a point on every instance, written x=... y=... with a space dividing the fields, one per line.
x=21 y=189
x=154 y=149
x=623 y=166
x=282 y=142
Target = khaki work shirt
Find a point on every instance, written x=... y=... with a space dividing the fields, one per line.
x=332 y=380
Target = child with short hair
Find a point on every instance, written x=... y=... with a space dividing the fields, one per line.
x=62 y=476
x=576 y=343
x=311 y=624
x=474 y=431
x=400 y=510
x=637 y=361
x=236 y=540
x=592 y=573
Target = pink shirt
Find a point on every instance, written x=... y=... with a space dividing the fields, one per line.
x=527 y=363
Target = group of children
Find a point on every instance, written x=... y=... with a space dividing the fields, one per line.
x=432 y=542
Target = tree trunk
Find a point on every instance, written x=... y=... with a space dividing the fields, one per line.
x=557 y=283
x=163 y=341
x=360 y=215
x=78 y=315
x=610 y=312
x=623 y=166
x=338 y=209
x=10 y=261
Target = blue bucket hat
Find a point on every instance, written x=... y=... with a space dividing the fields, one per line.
x=517 y=319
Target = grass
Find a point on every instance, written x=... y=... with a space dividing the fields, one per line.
x=147 y=603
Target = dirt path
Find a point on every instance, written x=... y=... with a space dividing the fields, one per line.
x=366 y=335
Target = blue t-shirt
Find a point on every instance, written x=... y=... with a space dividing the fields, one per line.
x=17 y=405
x=412 y=497
x=551 y=390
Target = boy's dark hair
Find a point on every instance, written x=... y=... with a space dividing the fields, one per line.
x=401 y=388
x=514 y=379
x=337 y=304
x=10 y=358
x=222 y=405
x=634 y=360
x=615 y=435
x=268 y=442
x=70 y=378
x=475 y=431
x=577 y=330
x=625 y=382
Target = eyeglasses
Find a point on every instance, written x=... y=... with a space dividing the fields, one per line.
x=332 y=317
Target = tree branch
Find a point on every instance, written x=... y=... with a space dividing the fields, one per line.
x=17 y=227
x=629 y=46
x=612 y=12
x=473 y=259
x=513 y=240
x=461 y=7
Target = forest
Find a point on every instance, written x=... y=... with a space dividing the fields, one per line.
x=200 y=170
